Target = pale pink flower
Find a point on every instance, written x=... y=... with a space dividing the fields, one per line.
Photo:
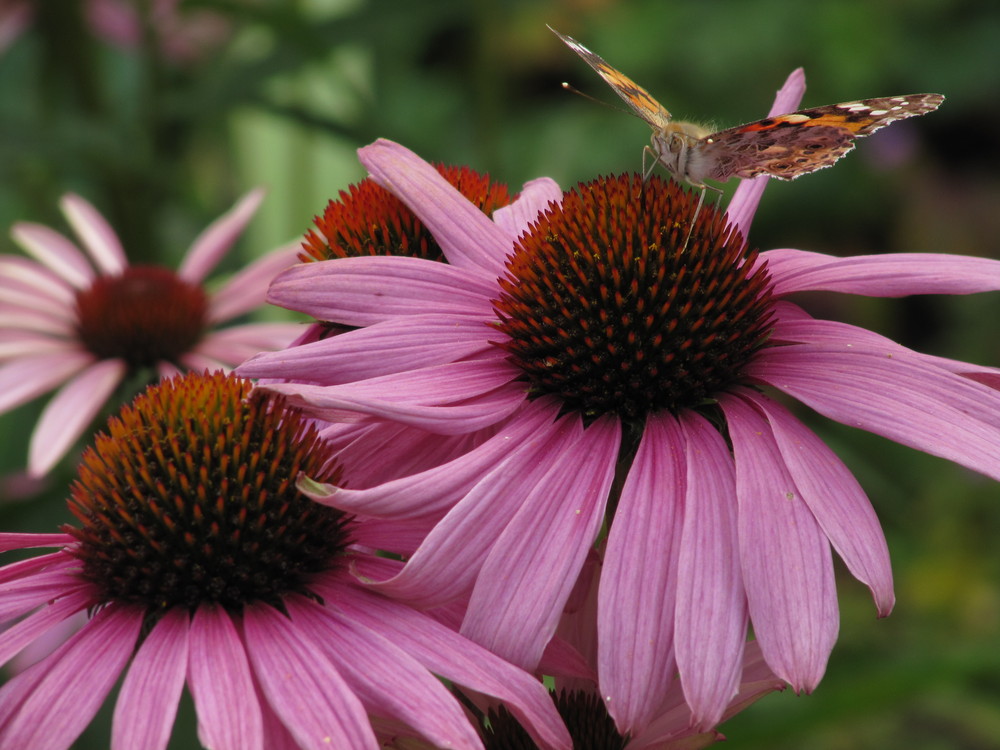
x=602 y=343
x=83 y=320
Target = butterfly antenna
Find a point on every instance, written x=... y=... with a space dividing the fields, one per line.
x=574 y=90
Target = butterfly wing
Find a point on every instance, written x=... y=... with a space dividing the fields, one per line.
x=634 y=95
x=787 y=146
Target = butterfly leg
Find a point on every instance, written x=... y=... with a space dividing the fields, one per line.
x=697 y=210
x=648 y=151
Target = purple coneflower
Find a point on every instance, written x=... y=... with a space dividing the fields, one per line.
x=85 y=323
x=624 y=369
x=205 y=566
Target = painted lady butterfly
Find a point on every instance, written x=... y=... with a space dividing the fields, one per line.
x=784 y=146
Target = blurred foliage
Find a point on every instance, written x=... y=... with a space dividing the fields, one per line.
x=285 y=91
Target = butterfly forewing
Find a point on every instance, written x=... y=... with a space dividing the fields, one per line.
x=635 y=96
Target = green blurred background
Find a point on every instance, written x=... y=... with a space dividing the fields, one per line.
x=282 y=93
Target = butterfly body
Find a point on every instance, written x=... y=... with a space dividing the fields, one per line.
x=784 y=146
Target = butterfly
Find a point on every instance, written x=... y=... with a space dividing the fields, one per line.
x=783 y=146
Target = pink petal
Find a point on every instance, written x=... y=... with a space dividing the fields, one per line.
x=70 y=412
x=794 y=325
x=31 y=583
x=433 y=492
x=33 y=278
x=711 y=621
x=745 y=200
x=18 y=345
x=636 y=599
x=926 y=408
x=363 y=291
x=757 y=681
x=891 y=275
x=536 y=196
x=36 y=303
x=221 y=683
x=446 y=653
x=835 y=499
x=50 y=704
x=214 y=242
x=247 y=290
x=389 y=682
x=393 y=346
x=56 y=252
x=305 y=690
x=467 y=237
x=528 y=575
x=24 y=276
x=24 y=379
x=149 y=696
x=36 y=626
x=450 y=558
x=448 y=399
x=97 y=236
x=786 y=560
x=11 y=540
x=21 y=320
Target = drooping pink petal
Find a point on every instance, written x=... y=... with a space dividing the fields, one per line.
x=216 y=239
x=467 y=237
x=36 y=625
x=636 y=598
x=147 y=704
x=391 y=346
x=51 y=703
x=448 y=399
x=926 y=407
x=757 y=681
x=24 y=379
x=446 y=564
x=221 y=684
x=363 y=291
x=530 y=571
x=795 y=325
x=745 y=200
x=57 y=578
x=388 y=681
x=247 y=290
x=276 y=734
x=303 y=688
x=56 y=252
x=435 y=491
x=445 y=653
x=96 y=235
x=711 y=620
x=70 y=411
x=375 y=452
x=535 y=197
x=786 y=560
x=889 y=275
x=835 y=499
